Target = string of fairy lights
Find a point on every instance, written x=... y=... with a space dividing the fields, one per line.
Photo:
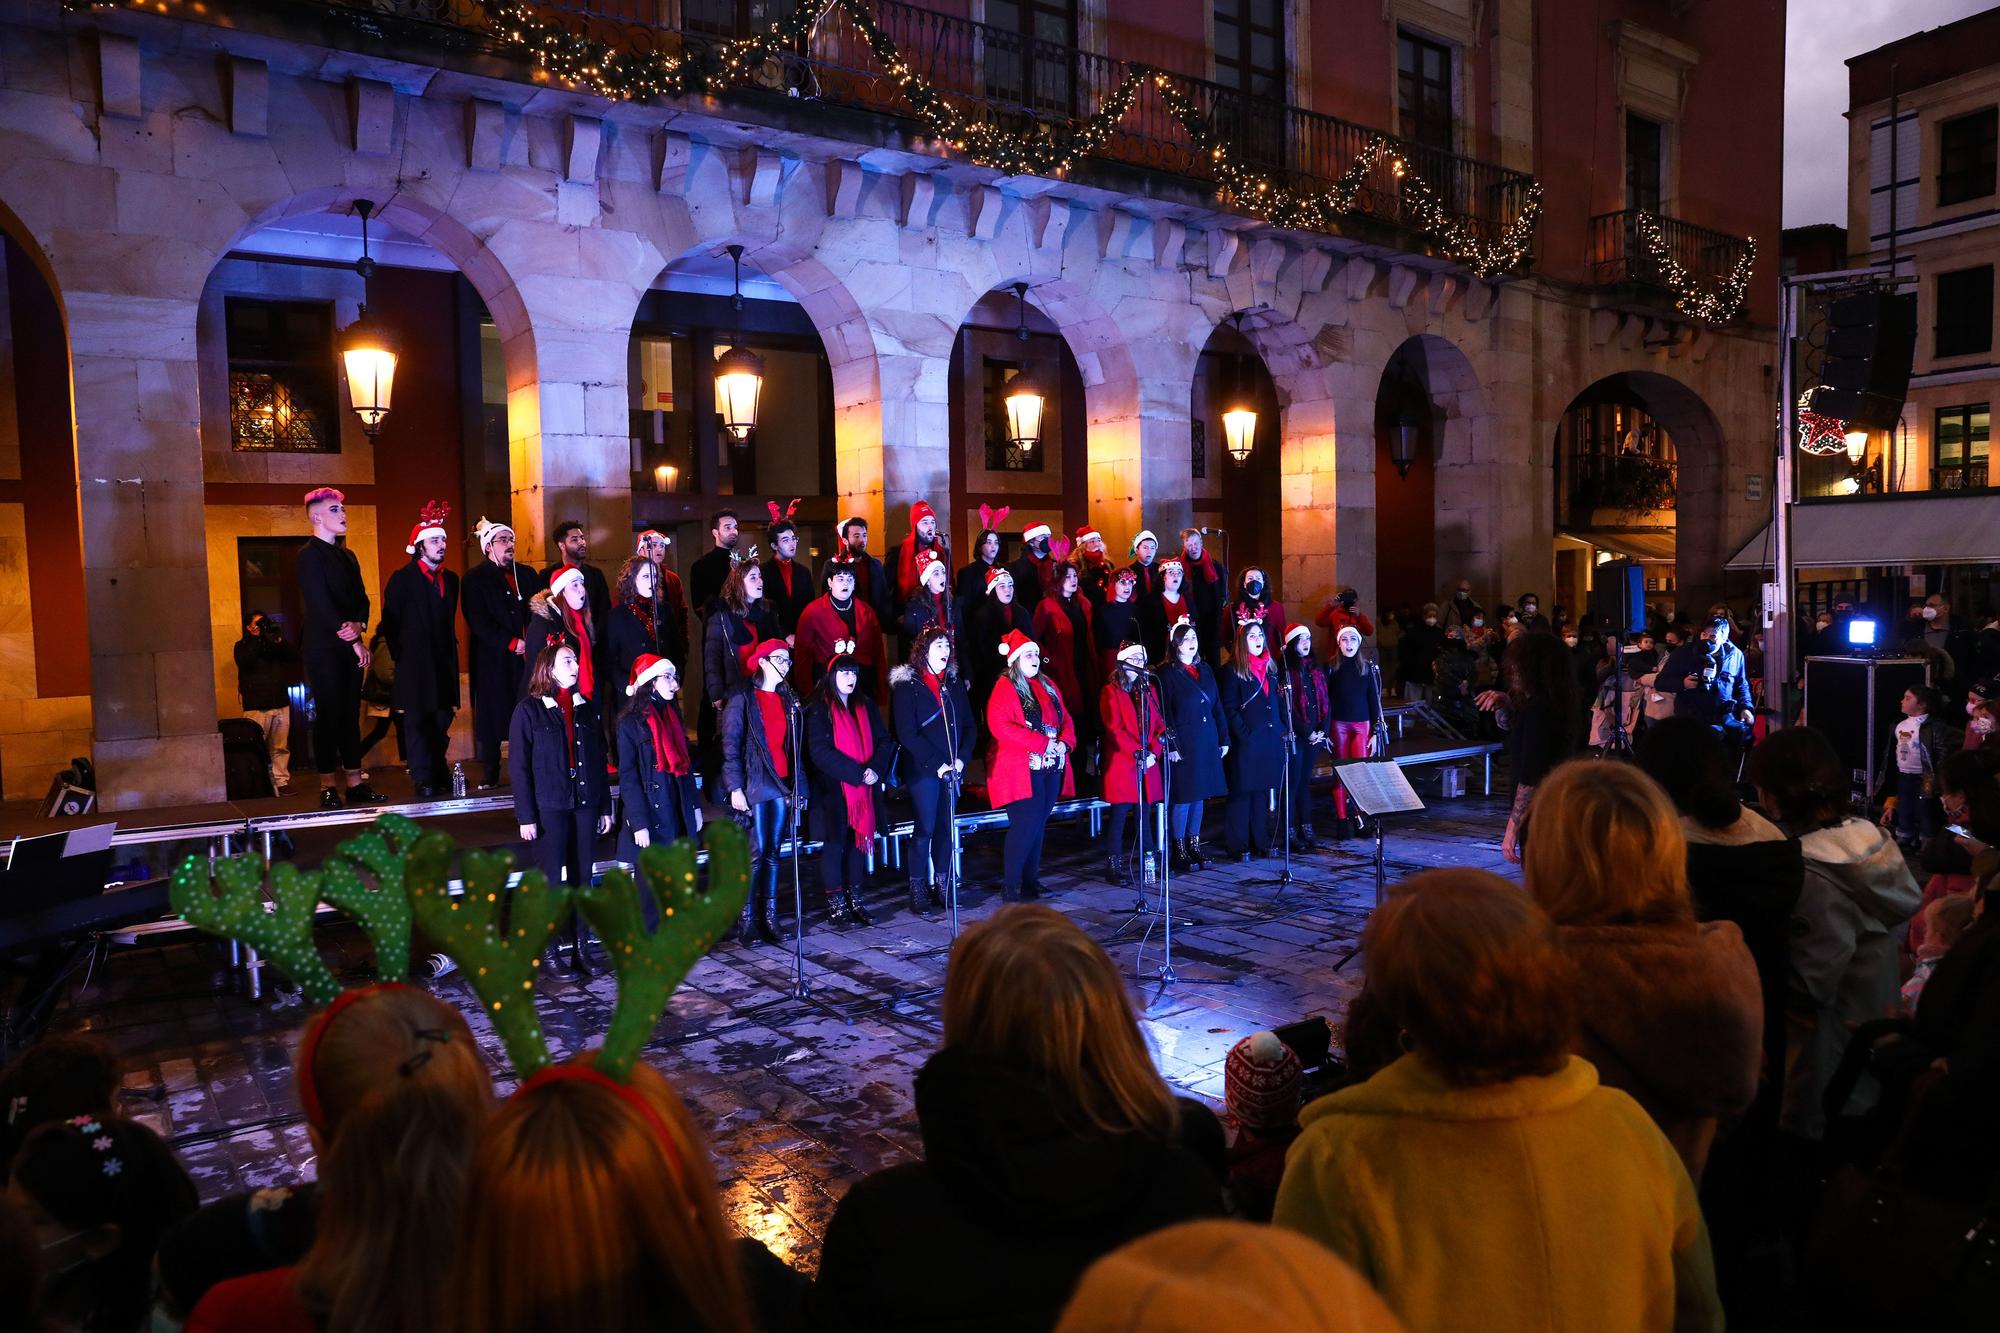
x=1050 y=149
x=1716 y=305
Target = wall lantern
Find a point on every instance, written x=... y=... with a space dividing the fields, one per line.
x=366 y=349
x=739 y=375
x=1404 y=434
x=1025 y=399
x=1857 y=445
x=1239 y=423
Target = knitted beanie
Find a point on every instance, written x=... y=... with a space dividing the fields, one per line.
x=1260 y=1082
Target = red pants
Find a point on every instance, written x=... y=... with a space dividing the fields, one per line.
x=1350 y=741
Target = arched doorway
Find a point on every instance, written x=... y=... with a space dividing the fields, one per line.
x=1637 y=476
x=1235 y=490
x=1005 y=336
x=1434 y=487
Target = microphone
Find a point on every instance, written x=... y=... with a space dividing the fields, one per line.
x=1213 y=532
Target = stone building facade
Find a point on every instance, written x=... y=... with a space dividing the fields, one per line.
x=143 y=150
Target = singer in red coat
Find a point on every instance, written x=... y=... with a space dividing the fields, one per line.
x=1030 y=765
x=1062 y=626
x=1119 y=706
x=839 y=614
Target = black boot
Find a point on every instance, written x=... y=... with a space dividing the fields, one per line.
x=1116 y=872
x=922 y=896
x=1305 y=840
x=329 y=799
x=363 y=794
x=1196 y=856
x=766 y=924
x=836 y=910
x=855 y=911
x=1178 y=858
x=579 y=959
x=1342 y=829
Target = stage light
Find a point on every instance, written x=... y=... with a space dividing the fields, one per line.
x=1862 y=632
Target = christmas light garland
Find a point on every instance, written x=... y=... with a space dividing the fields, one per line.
x=1054 y=147
x=1818 y=432
x=1691 y=297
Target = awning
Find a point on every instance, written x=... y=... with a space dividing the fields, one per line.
x=1648 y=548
x=1905 y=530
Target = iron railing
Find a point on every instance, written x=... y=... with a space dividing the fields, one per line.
x=1003 y=77
x=1632 y=484
x=1959 y=476
x=1619 y=254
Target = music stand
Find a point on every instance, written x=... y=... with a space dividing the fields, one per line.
x=1379 y=787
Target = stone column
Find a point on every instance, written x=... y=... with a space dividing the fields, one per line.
x=1140 y=474
x=145 y=569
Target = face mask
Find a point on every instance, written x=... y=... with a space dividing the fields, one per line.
x=1254 y=587
x=1478 y=621
x=1529 y=609
x=1929 y=613
x=1430 y=620
x=1462 y=595
x=1823 y=624
x=1569 y=640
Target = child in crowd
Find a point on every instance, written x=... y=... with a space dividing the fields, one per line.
x=1910 y=765
x=1945 y=921
x=1261 y=1080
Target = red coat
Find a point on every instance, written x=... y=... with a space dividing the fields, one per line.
x=1333 y=617
x=1121 y=742
x=1007 y=776
x=820 y=625
x=1057 y=637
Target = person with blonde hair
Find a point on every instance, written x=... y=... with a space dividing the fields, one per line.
x=1049 y=1141
x=591 y=1204
x=394 y=1094
x=1672 y=1011
x=1485 y=1176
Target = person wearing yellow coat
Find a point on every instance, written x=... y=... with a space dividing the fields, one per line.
x=1485 y=1179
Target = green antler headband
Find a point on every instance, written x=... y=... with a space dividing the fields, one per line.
x=237 y=912
x=382 y=912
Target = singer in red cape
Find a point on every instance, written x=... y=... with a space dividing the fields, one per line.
x=1118 y=704
x=839 y=614
x=1029 y=766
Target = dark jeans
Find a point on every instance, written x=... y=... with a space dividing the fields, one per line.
x=1027 y=821
x=1184 y=821
x=565 y=845
x=1302 y=767
x=1114 y=830
x=930 y=845
x=842 y=865
x=1917 y=816
x=336 y=732
x=1244 y=826
x=428 y=732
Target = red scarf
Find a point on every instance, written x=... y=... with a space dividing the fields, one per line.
x=1193 y=669
x=644 y=610
x=785 y=577
x=513 y=584
x=566 y=700
x=771 y=706
x=1260 y=667
x=670 y=742
x=935 y=681
x=579 y=627
x=853 y=737
x=1206 y=564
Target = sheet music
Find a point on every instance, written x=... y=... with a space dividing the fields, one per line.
x=1378 y=786
x=93 y=838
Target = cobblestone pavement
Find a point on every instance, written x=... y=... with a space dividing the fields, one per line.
x=799 y=1098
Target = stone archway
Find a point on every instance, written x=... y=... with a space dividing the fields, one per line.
x=1458 y=451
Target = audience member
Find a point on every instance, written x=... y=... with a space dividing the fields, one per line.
x=1049 y=1140
x=1945 y=921
x=394 y=1093
x=99 y=1190
x=54 y=1079
x=591 y=1204
x=1260 y=1091
x=1537 y=706
x=1562 y=1204
x=1969 y=797
x=21 y=1272
x=1856 y=895
x=1201 y=1276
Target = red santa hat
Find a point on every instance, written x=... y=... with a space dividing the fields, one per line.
x=926 y=558
x=1087 y=533
x=563 y=577
x=1172 y=562
x=753 y=654
x=644 y=668
x=318 y=493
x=1305 y=632
x=1133 y=654
x=920 y=511
x=1040 y=530
x=429 y=524
x=648 y=535
x=1014 y=644
x=993 y=576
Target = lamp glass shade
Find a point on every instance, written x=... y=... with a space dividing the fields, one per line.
x=1403 y=446
x=1024 y=411
x=739 y=384
x=1239 y=433
x=1857 y=445
x=369 y=356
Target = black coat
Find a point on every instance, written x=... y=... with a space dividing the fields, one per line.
x=705 y=579
x=726 y=631
x=420 y=621
x=654 y=800
x=496 y=614
x=746 y=756
x=827 y=769
x=266 y=669
x=1209 y=597
x=331 y=588
x=597 y=590
x=625 y=638
x=1115 y=623
x=1756 y=885
x=546 y=783
x=981 y=649
x=1255 y=719
x=546 y=626
x=1417 y=654
x=920 y=612
x=1011 y=1204
x=969 y=584
x=786 y=610
x=1193 y=709
x=921 y=720
x=1028 y=586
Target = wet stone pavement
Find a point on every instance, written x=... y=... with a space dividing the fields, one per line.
x=799 y=1097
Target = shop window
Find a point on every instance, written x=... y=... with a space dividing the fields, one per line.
x=282 y=397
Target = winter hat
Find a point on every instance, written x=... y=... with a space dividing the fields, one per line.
x=1172 y=562
x=429 y=524
x=1300 y=632
x=1261 y=1081
x=1132 y=654
x=993 y=576
x=1014 y=643
x=1145 y=535
x=920 y=511
x=1347 y=632
x=1087 y=533
x=753 y=654
x=1223 y=1273
x=640 y=543
x=644 y=668
x=563 y=577
x=926 y=558
x=486 y=530
x=1040 y=530
x=318 y=493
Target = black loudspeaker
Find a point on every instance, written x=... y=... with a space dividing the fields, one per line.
x=1618 y=597
x=1856 y=703
x=1865 y=375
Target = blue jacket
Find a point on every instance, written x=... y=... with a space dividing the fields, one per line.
x=1715 y=703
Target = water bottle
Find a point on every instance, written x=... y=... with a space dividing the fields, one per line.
x=1149 y=873
x=458 y=781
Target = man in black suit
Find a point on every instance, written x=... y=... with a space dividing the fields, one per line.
x=420 y=625
x=496 y=593
x=707 y=575
x=788 y=585
x=872 y=583
x=334 y=645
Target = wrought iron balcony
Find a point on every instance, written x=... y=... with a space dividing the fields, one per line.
x=1632 y=484
x=1623 y=255
x=1003 y=78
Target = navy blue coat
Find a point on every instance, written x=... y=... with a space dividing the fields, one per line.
x=827 y=769
x=1255 y=719
x=920 y=723
x=1193 y=710
x=656 y=801
x=545 y=783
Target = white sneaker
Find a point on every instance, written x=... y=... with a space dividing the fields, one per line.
x=439 y=965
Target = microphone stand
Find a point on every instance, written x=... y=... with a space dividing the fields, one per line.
x=1142 y=704
x=1284 y=876
x=1621 y=740
x=951 y=807
x=795 y=742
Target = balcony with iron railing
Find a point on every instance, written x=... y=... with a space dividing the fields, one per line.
x=1617 y=488
x=1004 y=79
x=1662 y=263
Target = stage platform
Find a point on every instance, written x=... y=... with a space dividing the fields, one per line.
x=798 y=1101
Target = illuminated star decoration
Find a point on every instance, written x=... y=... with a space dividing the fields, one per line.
x=1818 y=432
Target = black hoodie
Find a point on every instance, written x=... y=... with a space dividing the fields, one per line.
x=1013 y=1200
